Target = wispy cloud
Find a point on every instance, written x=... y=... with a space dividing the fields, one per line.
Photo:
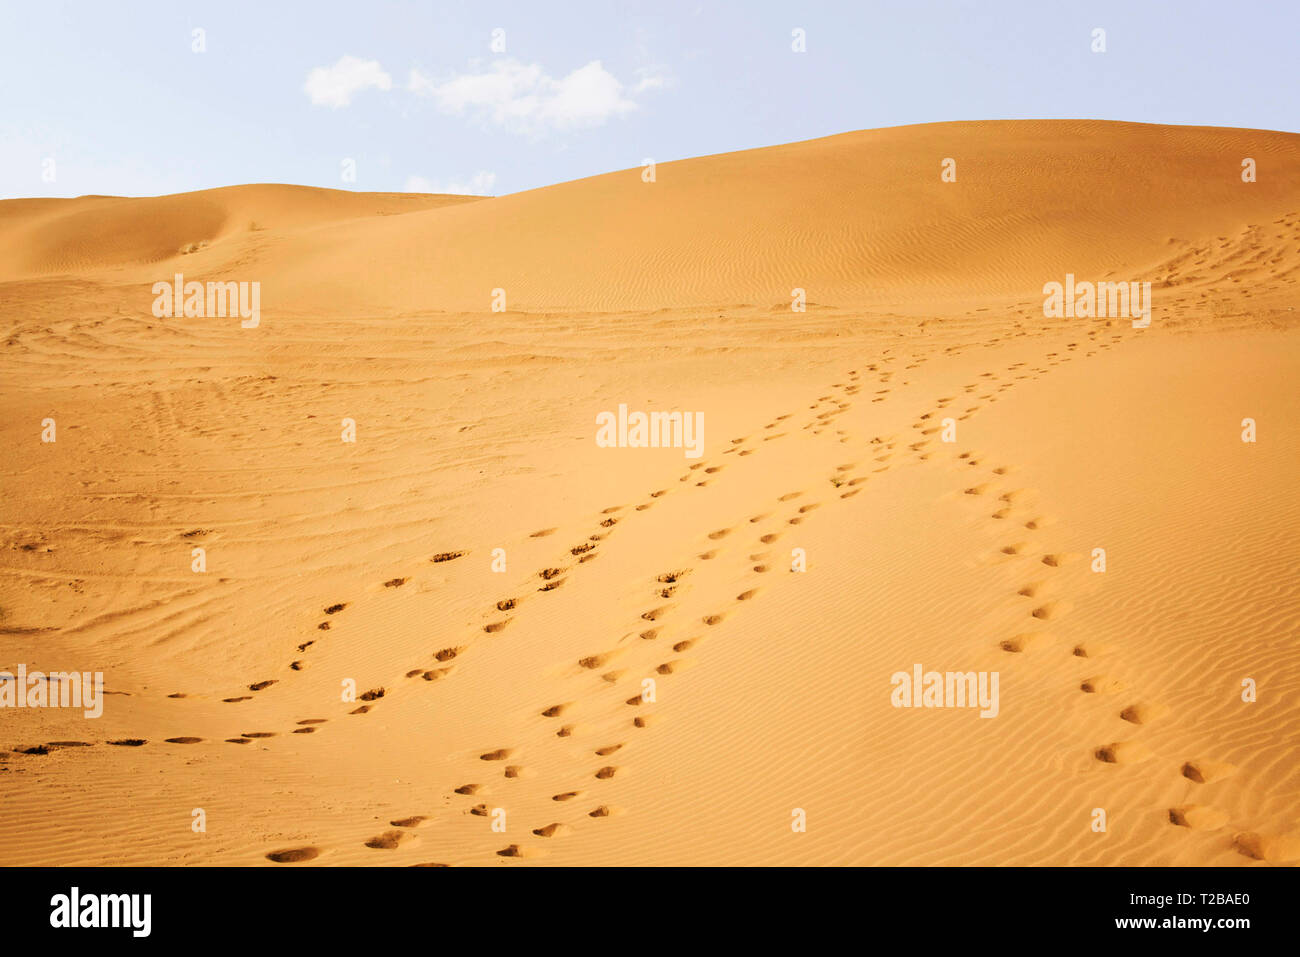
x=480 y=184
x=524 y=98
x=652 y=78
x=334 y=86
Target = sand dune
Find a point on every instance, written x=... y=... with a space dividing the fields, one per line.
x=569 y=654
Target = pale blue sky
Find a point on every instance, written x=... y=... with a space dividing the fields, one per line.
x=115 y=96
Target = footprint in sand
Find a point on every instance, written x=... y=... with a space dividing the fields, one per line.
x=1123 y=752
x=1203 y=771
x=415 y=820
x=1024 y=642
x=516 y=850
x=390 y=840
x=1198 y=817
x=1101 y=684
x=293 y=855
x=1144 y=712
x=1052 y=610
x=551 y=830
x=1279 y=848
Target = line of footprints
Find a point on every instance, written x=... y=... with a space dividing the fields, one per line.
x=649 y=626
x=826 y=410
x=1014 y=507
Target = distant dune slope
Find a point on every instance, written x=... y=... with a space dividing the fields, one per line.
x=858 y=218
x=54 y=236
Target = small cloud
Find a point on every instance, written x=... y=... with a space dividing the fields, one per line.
x=523 y=98
x=480 y=184
x=334 y=86
x=652 y=78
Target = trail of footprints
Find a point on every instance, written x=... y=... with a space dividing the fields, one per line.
x=1010 y=506
x=665 y=586
x=846 y=480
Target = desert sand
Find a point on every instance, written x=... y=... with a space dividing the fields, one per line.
x=940 y=458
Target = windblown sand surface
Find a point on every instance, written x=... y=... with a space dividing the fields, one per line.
x=520 y=690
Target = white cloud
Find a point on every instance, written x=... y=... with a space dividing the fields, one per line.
x=480 y=184
x=523 y=98
x=335 y=85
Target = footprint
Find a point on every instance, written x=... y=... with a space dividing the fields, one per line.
x=1198 y=817
x=515 y=850
x=1023 y=642
x=1123 y=752
x=293 y=855
x=551 y=830
x=390 y=840
x=500 y=754
x=1268 y=847
x=1203 y=772
x=1144 y=712
x=1051 y=610
x=1092 y=649
x=1101 y=684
